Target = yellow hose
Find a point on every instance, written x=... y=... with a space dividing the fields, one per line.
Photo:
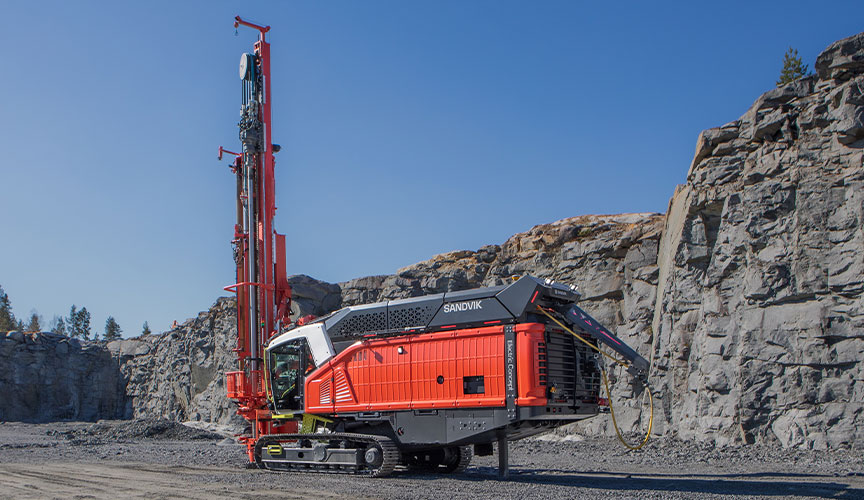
x=615 y=424
x=606 y=385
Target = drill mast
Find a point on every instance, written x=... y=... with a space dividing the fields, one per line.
x=263 y=293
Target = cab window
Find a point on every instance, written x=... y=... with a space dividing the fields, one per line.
x=286 y=372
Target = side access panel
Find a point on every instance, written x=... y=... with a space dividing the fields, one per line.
x=531 y=364
x=371 y=376
x=457 y=369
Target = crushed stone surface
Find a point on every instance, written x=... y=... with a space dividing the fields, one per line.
x=163 y=459
x=125 y=431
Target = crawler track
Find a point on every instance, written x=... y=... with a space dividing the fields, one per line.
x=452 y=461
x=388 y=454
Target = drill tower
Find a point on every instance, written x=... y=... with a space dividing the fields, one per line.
x=263 y=293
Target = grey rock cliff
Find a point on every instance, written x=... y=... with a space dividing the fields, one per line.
x=759 y=311
x=179 y=374
x=46 y=377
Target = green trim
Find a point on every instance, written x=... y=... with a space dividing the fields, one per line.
x=310 y=423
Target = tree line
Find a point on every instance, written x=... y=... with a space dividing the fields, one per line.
x=75 y=325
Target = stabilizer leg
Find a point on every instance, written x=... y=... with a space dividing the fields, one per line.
x=503 y=458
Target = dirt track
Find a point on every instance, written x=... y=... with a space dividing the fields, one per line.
x=37 y=461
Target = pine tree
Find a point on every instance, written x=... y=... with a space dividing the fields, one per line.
x=21 y=327
x=78 y=323
x=7 y=319
x=793 y=68
x=74 y=322
x=58 y=325
x=112 y=329
x=35 y=325
x=145 y=330
x=84 y=318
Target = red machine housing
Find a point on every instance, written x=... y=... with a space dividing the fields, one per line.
x=428 y=372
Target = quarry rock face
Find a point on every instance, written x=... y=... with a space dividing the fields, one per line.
x=179 y=375
x=47 y=377
x=759 y=315
x=746 y=296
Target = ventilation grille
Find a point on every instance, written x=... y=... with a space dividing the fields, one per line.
x=343 y=389
x=364 y=322
x=542 y=364
x=570 y=369
x=325 y=393
x=561 y=366
x=411 y=316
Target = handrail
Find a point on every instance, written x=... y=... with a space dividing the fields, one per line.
x=233 y=288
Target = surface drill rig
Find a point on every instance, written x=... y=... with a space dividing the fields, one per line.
x=422 y=382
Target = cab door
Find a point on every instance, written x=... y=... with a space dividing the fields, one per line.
x=287 y=365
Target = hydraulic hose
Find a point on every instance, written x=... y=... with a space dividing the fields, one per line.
x=615 y=423
x=606 y=385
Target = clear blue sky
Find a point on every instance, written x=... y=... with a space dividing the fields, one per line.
x=408 y=129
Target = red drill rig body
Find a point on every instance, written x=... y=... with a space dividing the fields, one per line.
x=423 y=382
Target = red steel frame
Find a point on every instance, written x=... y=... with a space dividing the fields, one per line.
x=265 y=301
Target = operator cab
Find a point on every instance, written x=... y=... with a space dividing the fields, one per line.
x=290 y=357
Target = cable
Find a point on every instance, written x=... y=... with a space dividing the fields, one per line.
x=615 y=423
x=606 y=385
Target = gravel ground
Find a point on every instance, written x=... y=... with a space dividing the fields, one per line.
x=160 y=459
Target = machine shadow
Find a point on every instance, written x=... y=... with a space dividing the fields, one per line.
x=719 y=484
